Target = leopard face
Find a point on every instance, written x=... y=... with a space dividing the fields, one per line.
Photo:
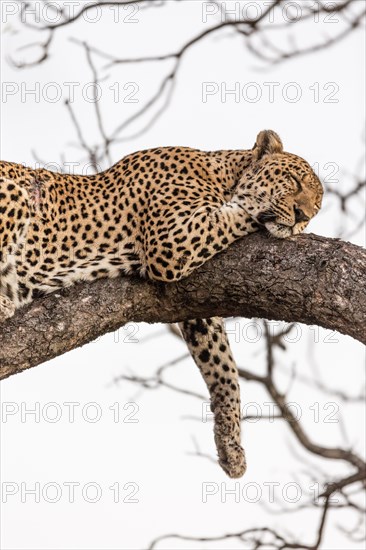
x=281 y=190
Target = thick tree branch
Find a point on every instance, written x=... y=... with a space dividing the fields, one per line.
x=307 y=279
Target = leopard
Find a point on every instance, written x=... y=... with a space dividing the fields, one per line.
x=159 y=214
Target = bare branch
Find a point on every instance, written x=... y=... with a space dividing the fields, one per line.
x=106 y=140
x=258 y=537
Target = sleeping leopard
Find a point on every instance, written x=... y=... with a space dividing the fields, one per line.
x=159 y=213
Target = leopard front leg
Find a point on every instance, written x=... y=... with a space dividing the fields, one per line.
x=208 y=344
x=187 y=242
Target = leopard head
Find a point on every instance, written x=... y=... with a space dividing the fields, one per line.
x=280 y=190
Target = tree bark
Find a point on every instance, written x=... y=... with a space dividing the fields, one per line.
x=307 y=279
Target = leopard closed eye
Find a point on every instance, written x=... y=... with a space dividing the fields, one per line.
x=159 y=213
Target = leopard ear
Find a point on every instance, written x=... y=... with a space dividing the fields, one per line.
x=267 y=143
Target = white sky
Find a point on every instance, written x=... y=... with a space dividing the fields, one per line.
x=153 y=454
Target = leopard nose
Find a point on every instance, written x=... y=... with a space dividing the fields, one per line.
x=300 y=216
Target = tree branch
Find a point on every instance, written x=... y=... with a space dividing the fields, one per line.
x=307 y=279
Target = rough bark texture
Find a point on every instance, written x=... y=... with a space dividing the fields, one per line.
x=307 y=279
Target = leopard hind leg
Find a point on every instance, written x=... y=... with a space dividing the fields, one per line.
x=14 y=221
x=210 y=349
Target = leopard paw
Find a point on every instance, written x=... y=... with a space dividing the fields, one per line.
x=231 y=457
x=7 y=308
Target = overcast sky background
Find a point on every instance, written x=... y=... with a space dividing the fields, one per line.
x=151 y=459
